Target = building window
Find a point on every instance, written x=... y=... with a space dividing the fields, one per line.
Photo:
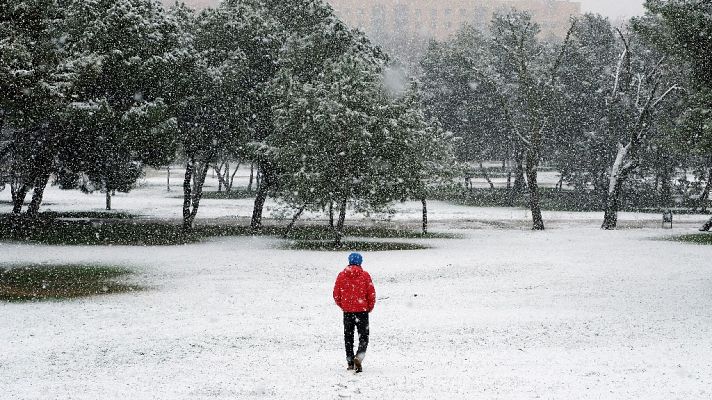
x=433 y=18
x=448 y=18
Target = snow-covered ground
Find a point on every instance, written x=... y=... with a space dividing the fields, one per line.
x=152 y=200
x=499 y=313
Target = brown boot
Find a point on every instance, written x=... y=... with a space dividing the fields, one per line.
x=357 y=362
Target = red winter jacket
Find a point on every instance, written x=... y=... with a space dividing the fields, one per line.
x=354 y=291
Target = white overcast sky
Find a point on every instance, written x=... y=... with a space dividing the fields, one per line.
x=613 y=8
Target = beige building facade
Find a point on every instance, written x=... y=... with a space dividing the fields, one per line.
x=440 y=18
x=436 y=18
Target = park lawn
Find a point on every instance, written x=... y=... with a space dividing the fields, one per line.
x=572 y=312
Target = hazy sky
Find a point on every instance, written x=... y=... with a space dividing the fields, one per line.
x=609 y=8
x=613 y=8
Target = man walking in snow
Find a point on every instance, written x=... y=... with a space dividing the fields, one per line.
x=355 y=294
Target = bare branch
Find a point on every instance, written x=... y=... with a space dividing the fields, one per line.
x=232 y=177
x=661 y=98
x=618 y=71
x=625 y=58
x=564 y=45
x=639 y=77
x=521 y=137
x=655 y=69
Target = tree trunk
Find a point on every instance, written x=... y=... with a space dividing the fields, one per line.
x=331 y=214
x=294 y=220
x=256 y=222
x=533 y=156
x=258 y=178
x=486 y=175
x=610 y=216
x=18 y=198
x=339 y=229
x=198 y=191
x=168 y=179
x=342 y=216
x=192 y=194
x=187 y=194
x=262 y=191
x=619 y=172
x=231 y=182
x=225 y=176
x=252 y=177
x=706 y=192
x=221 y=178
x=425 y=215
x=108 y=200
x=34 y=208
x=534 y=206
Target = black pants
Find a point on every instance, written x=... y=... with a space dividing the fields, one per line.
x=359 y=321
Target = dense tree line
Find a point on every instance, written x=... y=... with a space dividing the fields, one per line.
x=94 y=92
x=91 y=93
x=613 y=110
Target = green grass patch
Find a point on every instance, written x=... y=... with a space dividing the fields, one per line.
x=697 y=238
x=115 y=228
x=322 y=245
x=57 y=282
x=80 y=229
x=93 y=232
x=317 y=232
x=81 y=215
x=311 y=232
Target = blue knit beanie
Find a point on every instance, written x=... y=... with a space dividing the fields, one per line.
x=355 y=259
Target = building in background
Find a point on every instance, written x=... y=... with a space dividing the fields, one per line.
x=404 y=27
x=439 y=18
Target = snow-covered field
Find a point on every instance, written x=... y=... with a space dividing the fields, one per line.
x=501 y=312
x=152 y=200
